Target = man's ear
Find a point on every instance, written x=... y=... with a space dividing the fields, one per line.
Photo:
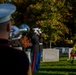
x=8 y=26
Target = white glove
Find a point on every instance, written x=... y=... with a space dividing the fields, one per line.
x=14 y=31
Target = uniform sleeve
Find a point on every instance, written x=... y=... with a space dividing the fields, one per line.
x=24 y=63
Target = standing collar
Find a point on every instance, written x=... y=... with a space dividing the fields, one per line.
x=4 y=42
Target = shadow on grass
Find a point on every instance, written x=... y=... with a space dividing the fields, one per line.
x=58 y=69
x=66 y=73
x=46 y=74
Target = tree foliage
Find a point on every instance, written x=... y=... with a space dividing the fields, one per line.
x=56 y=18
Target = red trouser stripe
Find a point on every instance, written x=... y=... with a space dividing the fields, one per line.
x=34 y=60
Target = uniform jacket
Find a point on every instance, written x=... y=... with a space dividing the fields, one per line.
x=40 y=43
x=12 y=61
x=35 y=43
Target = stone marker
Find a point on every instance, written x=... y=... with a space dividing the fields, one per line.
x=62 y=50
x=69 y=53
x=66 y=49
x=50 y=55
x=29 y=56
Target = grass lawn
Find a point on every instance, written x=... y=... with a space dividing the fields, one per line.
x=61 y=67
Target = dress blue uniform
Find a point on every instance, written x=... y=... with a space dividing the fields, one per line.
x=40 y=49
x=35 y=51
x=12 y=61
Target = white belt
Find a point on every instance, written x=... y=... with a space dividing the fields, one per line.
x=40 y=43
x=20 y=48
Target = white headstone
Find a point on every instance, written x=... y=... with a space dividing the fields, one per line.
x=29 y=56
x=50 y=55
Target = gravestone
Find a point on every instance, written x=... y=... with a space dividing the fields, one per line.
x=50 y=55
x=28 y=52
x=66 y=49
x=69 y=53
x=62 y=50
x=29 y=57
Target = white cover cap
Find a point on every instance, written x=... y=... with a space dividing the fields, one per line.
x=6 y=10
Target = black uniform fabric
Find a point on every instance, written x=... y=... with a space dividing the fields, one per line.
x=40 y=43
x=35 y=42
x=12 y=61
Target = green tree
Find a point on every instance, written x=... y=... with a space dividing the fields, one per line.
x=44 y=14
x=56 y=18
